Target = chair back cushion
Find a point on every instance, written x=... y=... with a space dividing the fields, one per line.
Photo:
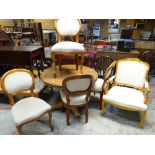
x=78 y=83
x=17 y=81
x=68 y=27
x=131 y=72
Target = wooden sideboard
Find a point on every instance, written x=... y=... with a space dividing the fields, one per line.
x=116 y=55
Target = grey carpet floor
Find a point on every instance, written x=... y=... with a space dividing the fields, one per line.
x=114 y=122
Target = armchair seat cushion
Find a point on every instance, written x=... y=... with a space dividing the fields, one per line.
x=126 y=97
x=74 y=99
x=98 y=85
x=68 y=46
x=28 y=109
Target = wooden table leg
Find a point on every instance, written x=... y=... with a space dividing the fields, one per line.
x=77 y=62
x=82 y=60
x=60 y=62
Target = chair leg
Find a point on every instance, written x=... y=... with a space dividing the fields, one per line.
x=67 y=114
x=142 y=119
x=86 y=112
x=19 y=129
x=50 y=116
x=77 y=63
x=102 y=108
x=101 y=94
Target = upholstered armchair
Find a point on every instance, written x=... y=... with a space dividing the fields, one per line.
x=129 y=87
x=26 y=110
x=76 y=92
x=68 y=28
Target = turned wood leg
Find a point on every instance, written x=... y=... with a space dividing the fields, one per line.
x=82 y=60
x=19 y=129
x=86 y=112
x=102 y=108
x=142 y=119
x=60 y=62
x=50 y=116
x=68 y=114
x=77 y=62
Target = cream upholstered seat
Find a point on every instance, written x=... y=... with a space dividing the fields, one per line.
x=74 y=99
x=127 y=97
x=130 y=88
x=68 y=46
x=76 y=92
x=26 y=110
x=68 y=28
x=98 y=85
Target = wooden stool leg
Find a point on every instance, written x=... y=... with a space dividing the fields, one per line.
x=82 y=60
x=77 y=62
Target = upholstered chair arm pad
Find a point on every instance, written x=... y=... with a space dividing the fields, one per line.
x=147 y=87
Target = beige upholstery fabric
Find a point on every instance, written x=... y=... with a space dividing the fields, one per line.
x=78 y=84
x=114 y=37
x=98 y=85
x=68 y=27
x=18 y=81
x=74 y=99
x=131 y=73
x=68 y=46
x=28 y=109
x=127 y=97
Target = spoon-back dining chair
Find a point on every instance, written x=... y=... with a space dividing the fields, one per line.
x=76 y=92
x=26 y=110
x=68 y=28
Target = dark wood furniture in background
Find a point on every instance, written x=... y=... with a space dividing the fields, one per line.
x=21 y=56
x=5 y=40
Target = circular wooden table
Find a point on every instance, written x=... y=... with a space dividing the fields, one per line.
x=47 y=76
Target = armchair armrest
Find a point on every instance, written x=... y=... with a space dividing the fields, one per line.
x=111 y=79
x=147 y=91
x=105 y=86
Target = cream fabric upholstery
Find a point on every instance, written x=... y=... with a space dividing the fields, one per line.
x=74 y=99
x=98 y=85
x=68 y=27
x=131 y=73
x=28 y=109
x=78 y=84
x=18 y=81
x=68 y=46
x=114 y=37
x=127 y=97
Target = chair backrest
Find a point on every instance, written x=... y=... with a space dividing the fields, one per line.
x=78 y=84
x=110 y=70
x=131 y=72
x=68 y=28
x=17 y=80
x=102 y=63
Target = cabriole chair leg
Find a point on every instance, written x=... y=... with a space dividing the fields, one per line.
x=142 y=119
x=102 y=108
x=19 y=129
x=86 y=112
x=50 y=116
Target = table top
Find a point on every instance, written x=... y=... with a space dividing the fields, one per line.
x=20 y=48
x=67 y=70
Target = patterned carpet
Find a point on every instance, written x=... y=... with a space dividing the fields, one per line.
x=114 y=122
